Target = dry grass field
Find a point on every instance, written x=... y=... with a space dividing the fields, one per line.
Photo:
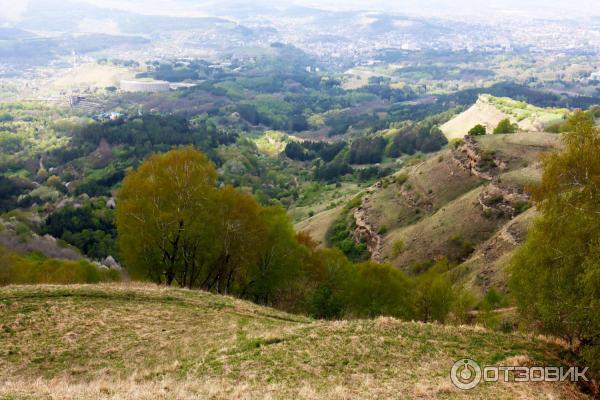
x=146 y=342
x=489 y=111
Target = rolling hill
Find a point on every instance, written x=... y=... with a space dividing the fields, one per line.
x=149 y=342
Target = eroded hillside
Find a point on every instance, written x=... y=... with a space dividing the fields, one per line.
x=467 y=203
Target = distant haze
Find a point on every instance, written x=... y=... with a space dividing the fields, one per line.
x=12 y=10
x=461 y=10
x=448 y=8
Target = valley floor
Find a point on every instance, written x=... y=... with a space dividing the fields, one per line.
x=145 y=342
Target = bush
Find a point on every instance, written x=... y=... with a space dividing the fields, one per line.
x=456 y=143
x=478 y=130
x=401 y=179
x=398 y=247
x=505 y=126
x=37 y=269
x=380 y=289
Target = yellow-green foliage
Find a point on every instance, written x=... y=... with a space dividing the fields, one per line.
x=35 y=268
x=272 y=142
x=521 y=110
x=555 y=276
x=398 y=247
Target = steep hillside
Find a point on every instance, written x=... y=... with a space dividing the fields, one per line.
x=485 y=268
x=481 y=112
x=318 y=224
x=475 y=197
x=489 y=111
x=467 y=203
x=145 y=342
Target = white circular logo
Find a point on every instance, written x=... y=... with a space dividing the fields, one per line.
x=465 y=374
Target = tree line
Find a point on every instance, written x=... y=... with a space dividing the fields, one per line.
x=177 y=227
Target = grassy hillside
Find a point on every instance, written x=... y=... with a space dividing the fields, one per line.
x=318 y=224
x=450 y=204
x=449 y=196
x=145 y=342
x=489 y=111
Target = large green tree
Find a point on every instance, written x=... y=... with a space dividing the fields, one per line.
x=175 y=226
x=163 y=215
x=555 y=276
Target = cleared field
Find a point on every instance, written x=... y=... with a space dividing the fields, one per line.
x=93 y=75
x=272 y=143
x=145 y=342
x=319 y=198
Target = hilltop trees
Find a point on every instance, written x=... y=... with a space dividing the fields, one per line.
x=556 y=275
x=176 y=227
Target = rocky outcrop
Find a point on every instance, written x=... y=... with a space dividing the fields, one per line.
x=469 y=156
x=365 y=231
x=503 y=200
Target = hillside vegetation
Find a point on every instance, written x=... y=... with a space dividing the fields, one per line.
x=466 y=204
x=150 y=342
x=489 y=111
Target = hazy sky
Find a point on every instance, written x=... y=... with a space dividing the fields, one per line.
x=12 y=9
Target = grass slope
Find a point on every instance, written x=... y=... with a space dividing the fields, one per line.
x=455 y=213
x=144 y=342
x=318 y=225
x=436 y=235
x=489 y=111
x=431 y=209
x=419 y=190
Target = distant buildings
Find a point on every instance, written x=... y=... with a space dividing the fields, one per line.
x=595 y=77
x=144 y=86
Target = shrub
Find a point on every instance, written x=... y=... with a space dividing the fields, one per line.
x=478 y=130
x=505 y=126
x=401 y=179
x=380 y=289
x=398 y=247
x=456 y=143
x=35 y=268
